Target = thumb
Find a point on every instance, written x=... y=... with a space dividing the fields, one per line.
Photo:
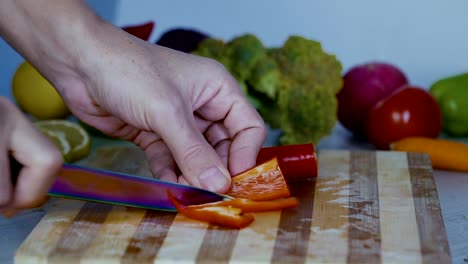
x=196 y=158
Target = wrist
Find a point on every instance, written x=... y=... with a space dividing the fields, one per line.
x=52 y=35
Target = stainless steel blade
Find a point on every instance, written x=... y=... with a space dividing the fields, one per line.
x=89 y=184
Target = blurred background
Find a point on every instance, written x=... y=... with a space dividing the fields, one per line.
x=427 y=39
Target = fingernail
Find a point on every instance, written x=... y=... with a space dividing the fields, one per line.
x=213 y=179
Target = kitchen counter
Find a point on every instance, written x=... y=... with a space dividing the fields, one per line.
x=452 y=189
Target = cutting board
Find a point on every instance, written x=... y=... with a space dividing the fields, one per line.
x=364 y=207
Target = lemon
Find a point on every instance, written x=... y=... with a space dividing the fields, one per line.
x=60 y=140
x=72 y=133
x=35 y=95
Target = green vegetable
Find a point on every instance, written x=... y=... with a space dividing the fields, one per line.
x=212 y=48
x=293 y=87
x=243 y=53
x=451 y=94
x=307 y=95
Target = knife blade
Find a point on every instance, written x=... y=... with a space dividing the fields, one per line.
x=104 y=186
x=83 y=183
x=91 y=184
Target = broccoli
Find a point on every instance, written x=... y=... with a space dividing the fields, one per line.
x=293 y=87
x=214 y=49
x=307 y=95
x=265 y=76
x=244 y=52
x=304 y=61
x=306 y=112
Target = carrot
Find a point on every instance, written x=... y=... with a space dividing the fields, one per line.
x=444 y=154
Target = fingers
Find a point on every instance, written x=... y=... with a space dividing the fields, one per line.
x=219 y=138
x=37 y=154
x=161 y=162
x=6 y=188
x=196 y=158
x=248 y=135
x=243 y=124
x=41 y=161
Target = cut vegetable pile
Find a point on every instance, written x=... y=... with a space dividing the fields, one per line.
x=260 y=189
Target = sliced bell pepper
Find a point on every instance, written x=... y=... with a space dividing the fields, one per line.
x=260 y=189
x=221 y=215
x=249 y=206
x=261 y=183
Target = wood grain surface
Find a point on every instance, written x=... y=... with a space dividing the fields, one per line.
x=364 y=207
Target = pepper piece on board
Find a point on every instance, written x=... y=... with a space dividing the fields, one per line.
x=221 y=215
x=249 y=206
x=260 y=189
x=451 y=94
x=260 y=183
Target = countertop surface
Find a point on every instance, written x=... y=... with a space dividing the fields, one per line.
x=452 y=189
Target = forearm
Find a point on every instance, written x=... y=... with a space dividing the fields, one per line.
x=51 y=34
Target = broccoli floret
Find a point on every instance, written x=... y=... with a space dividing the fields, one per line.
x=306 y=112
x=305 y=61
x=270 y=111
x=239 y=56
x=307 y=94
x=264 y=77
x=243 y=53
x=214 y=49
x=293 y=87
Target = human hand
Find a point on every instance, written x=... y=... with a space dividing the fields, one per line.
x=39 y=157
x=185 y=111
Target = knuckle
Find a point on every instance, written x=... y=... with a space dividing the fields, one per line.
x=49 y=161
x=193 y=151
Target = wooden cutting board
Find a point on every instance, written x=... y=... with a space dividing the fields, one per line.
x=364 y=207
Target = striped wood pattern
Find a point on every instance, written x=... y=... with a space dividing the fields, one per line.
x=365 y=207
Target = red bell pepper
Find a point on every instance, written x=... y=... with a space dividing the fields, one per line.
x=260 y=189
x=261 y=183
x=221 y=215
x=142 y=31
x=296 y=161
x=250 y=206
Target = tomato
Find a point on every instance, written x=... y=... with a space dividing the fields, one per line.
x=409 y=111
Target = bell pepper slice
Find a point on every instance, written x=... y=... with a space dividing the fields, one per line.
x=260 y=189
x=296 y=161
x=221 y=215
x=249 y=206
x=261 y=183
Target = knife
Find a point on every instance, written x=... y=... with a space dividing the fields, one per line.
x=104 y=186
x=97 y=185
